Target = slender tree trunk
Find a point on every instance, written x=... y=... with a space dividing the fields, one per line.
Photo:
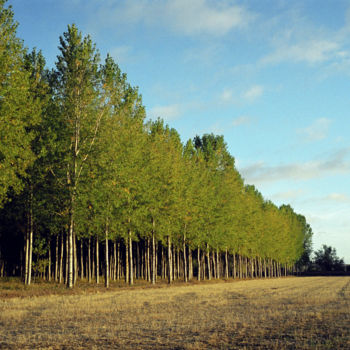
x=199 y=264
x=107 y=257
x=31 y=229
x=138 y=258
x=26 y=269
x=56 y=260
x=81 y=259
x=118 y=262
x=190 y=265
x=148 y=260
x=75 y=274
x=177 y=267
x=214 y=265
x=131 y=267
x=217 y=263
x=93 y=259
x=127 y=275
x=70 y=243
x=234 y=265
x=184 y=258
x=97 y=261
x=89 y=260
x=208 y=263
x=49 y=267
x=170 y=265
x=240 y=266
x=61 y=258
x=153 y=257
x=226 y=264
x=204 y=272
x=114 y=261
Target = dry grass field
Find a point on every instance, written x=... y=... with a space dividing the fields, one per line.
x=286 y=313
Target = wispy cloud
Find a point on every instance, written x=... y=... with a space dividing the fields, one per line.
x=170 y=112
x=227 y=96
x=310 y=51
x=318 y=130
x=195 y=17
x=337 y=197
x=253 y=93
x=242 y=120
x=288 y=195
x=334 y=164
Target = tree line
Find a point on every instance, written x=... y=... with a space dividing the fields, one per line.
x=90 y=188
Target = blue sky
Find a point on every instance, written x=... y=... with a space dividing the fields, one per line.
x=272 y=76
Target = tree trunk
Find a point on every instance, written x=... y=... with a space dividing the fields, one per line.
x=177 y=266
x=208 y=263
x=127 y=261
x=170 y=265
x=107 y=257
x=81 y=259
x=190 y=265
x=31 y=229
x=61 y=258
x=199 y=264
x=184 y=258
x=26 y=268
x=234 y=265
x=75 y=272
x=114 y=261
x=148 y=260
x=56 y=260
x=217 y=264
x=97 y=261
x=131 y=267
x=70 y=245
x=153 y=257
x=214 y=265
x=226 y=264
x=89 y=260
x=49 y=267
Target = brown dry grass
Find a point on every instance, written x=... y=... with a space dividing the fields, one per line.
x=288 y=313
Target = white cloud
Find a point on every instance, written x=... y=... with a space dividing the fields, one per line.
x=170 y=112
x=335 y=164
x=195 y=17
x=337 y=197
x=227 y=96
x=311 y=51
x=199 y=17
x=288 y=195
x=241 y=121
x=318 y=130
x=253 y=93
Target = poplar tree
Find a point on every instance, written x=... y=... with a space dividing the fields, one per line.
x=77 y=85
x=18 y=108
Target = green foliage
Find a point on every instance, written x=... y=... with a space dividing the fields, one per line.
x=19 y=110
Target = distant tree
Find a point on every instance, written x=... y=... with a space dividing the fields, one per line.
x=326 y=259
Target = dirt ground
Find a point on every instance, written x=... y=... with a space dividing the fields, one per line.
x=285 y=313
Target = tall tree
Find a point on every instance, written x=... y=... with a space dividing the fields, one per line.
x=18 y=108
x=81 y=107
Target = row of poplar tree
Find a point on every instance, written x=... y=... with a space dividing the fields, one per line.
x=89 y=188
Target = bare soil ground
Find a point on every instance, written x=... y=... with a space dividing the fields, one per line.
x=286 y=313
